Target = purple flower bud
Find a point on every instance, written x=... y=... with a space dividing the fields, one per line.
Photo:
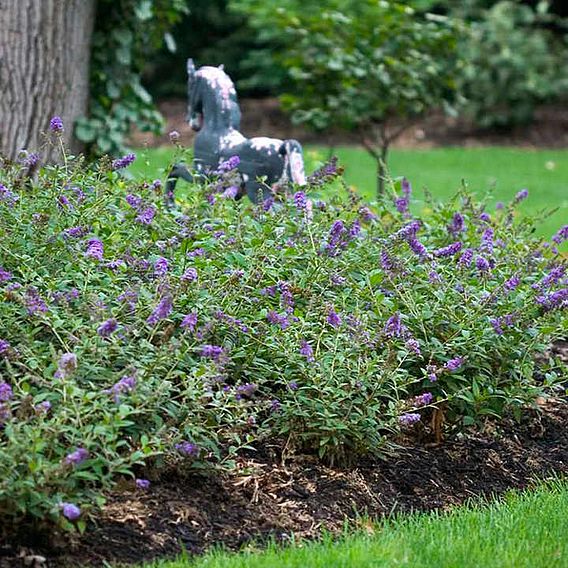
x=482 y=264
x=521 y=195
x=561 y=235
x=300 y=200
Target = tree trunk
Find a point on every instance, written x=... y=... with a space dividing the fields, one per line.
x=382 y=170
x=44 y=71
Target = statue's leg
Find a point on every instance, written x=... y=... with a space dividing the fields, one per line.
x=178 y=171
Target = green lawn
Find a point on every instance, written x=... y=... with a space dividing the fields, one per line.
x=505 y=170
x=522 y=531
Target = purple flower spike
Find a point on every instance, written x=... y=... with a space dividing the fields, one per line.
x=333 y=318
x=409 y=418
x=107 y=327
x=482 y=264
x=307 y=351
x=450 y=250
x=5 y=275
x=212 y=352
x=423 y=399
x=189 y=321
x=70 y=511
x=4 y=346
x=161 y=267
x=95 y=249
x=161 y=311
x=229 y=165
x=66 y=366
x=6 y=393
x=300 y=200
x=146 y=216
x=142 y=484
x=123 y=162
x=521 y=195
x=56 y=125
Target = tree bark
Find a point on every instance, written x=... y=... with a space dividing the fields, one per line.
x=44 y=71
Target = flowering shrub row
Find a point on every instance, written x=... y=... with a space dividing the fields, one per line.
x=131 y=334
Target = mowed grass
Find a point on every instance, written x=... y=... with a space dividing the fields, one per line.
x=525 y=530
x=501 y=171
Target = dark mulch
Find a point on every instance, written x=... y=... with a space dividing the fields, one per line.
x=267 y=498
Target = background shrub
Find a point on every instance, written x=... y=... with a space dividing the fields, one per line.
x=131 y=334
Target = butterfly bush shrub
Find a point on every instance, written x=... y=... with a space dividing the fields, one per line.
x=133 y=335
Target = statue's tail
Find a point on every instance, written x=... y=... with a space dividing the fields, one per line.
x=294 y=161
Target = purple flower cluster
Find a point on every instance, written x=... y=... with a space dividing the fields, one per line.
x=190 y=275
x=246 y=391
x=300 y=200
x=231 y=192
x=77 y=457
x=135 y=201
x=4 y=346
x=125 y=385
x=521 y=195
x=499 y=323
x=34 y=302
x=8 y=196
x=66 y=366
x=107 y=328
x=214 y=352
x=123 y=162
x=333 y=318
x=409 y=418
x=6 y=393
x=458 y=224
x=551 y=279
x=56 y=125
x=327 y=172
x=423 y=399
x=454 y=364
x=95 y=249
x=402 y=203
x=142 y=483
x=5 y=275
x=229 y=165
x=307 y=351
x=146 y=215
x=161 y=267
x=231 y=321
x=70 y=511
x=187 y=448
x=275 y=318
x=161 y=311
x=189 y=321
x=554 y=300
x=76 y=232
x=561 y=235
x=512 y=283
x=482 y=264
x=487 y=244
x=367 y=215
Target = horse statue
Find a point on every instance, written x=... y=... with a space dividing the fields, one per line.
x=213 y=112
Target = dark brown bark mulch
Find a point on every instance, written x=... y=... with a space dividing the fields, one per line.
x=266 y=498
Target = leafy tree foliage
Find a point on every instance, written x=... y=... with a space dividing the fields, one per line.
x=359 y=64
x=126 y=32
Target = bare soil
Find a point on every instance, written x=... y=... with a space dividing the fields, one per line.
x=263 y=117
